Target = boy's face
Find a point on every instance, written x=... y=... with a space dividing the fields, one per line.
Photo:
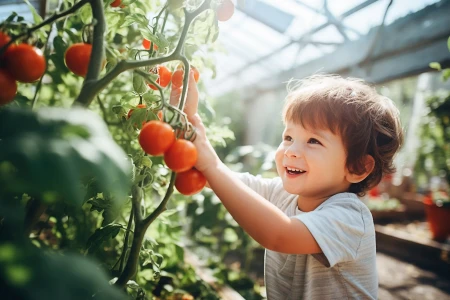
x=311 y=163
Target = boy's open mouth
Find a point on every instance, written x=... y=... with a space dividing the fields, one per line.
x=294 y=171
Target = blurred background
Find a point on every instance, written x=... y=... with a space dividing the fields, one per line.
x=400 y=46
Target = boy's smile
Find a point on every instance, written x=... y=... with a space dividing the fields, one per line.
x=311 y=164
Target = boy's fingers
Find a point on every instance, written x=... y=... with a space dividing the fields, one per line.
x=175 y=94
x=192 y=96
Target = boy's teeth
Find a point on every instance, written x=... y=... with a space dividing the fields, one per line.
x=295 y=170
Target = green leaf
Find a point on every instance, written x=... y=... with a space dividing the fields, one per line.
x=139 y=85
x=101 y=235
x=435 y=65
x=445 y=74
x=53 y=149
x=36 y=17
x=44 y=275
x=85 y=14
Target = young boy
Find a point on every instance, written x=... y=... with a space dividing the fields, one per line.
x=339 y=140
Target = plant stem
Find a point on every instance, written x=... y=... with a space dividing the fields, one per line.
x=139 y=232
x=39 y=84
x=125 y=242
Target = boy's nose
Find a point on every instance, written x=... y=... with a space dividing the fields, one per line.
x=293 y=151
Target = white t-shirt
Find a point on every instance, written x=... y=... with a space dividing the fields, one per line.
x=343 y=227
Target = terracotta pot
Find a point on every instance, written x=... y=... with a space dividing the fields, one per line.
x=438 y=219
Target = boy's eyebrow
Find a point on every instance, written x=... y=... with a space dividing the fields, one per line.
x=321 y=133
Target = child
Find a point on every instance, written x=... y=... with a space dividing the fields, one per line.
x=339 y=140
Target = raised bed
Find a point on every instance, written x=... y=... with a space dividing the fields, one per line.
x=412 y=242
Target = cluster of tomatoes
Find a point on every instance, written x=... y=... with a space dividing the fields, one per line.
x=158 y=138
x=19 y=62
x=165 y=76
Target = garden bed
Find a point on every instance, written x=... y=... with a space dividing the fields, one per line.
x=411 y=242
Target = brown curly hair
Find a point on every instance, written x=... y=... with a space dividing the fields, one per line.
x=367 y=122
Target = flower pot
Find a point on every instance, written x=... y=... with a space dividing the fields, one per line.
x=438 y=219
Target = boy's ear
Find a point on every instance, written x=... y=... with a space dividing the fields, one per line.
x=369 y=164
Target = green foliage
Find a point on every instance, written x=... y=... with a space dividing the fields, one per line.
x=434 y=152
x=66 y=174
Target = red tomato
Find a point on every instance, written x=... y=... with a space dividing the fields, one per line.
x=164 y=77
x=4 y=39
x=146 y=45
x=25 y=63
x=8 y=87
x=160 y=115
x=77 y=58
x=178 y=76
x=225 y=10
x=156 y=137
x=181 y=156
x=116 y=3
x=190 y=182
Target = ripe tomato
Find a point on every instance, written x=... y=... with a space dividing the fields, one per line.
x=178 y=76
x=116 y=3
x=225 y=10
x=77 y=58
x=138 y=106
x=181 y=156
x=25 y=63
x=8 y=87
x=146 y=45
x=156 y=137
x=190 y=182
x=160 y=115
x=4 y=39
x=164 y=77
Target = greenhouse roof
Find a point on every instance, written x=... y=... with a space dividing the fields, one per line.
x=265 y=37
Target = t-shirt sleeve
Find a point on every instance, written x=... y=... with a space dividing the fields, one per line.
x=338 y=228
x=263 y=186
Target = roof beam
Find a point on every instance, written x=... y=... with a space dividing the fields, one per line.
x=303 y=37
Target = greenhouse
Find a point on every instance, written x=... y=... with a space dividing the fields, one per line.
x=224 y=149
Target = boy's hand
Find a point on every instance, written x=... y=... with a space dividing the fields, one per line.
x=191 y=105
x=207 y=157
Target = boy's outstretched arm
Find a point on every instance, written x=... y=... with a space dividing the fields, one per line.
x=262 y=220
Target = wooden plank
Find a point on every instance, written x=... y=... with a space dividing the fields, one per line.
x=425 y=253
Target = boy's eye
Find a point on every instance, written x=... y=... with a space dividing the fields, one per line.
x=314 y=141
x=287 y=138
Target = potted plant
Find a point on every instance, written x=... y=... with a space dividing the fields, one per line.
x=433 y=161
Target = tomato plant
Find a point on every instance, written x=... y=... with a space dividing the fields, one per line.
x=75 y=174
x=190 y=182
x=181 y=156
x=8 y=87
x=77 y=58
x=156 y=137
x=130 y=112
x=24 y=62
